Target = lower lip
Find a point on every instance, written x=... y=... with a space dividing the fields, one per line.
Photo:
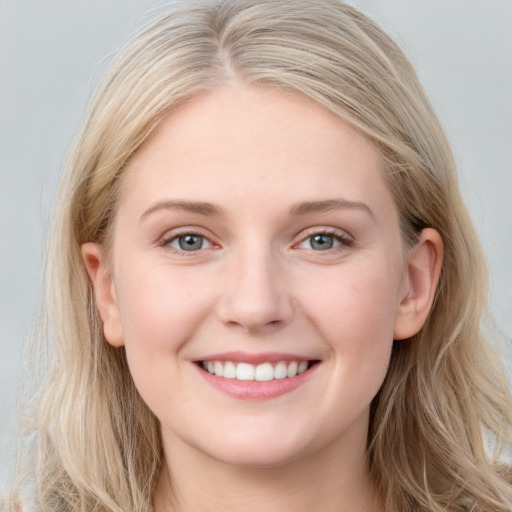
x=252 y=389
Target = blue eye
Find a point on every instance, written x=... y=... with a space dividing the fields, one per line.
x=189 y=242
x=324 y=242
x=321 y=242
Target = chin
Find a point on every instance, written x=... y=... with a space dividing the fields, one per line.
x=259 y=450
x=251 y=458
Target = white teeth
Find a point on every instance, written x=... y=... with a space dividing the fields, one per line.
x=261 y=372
x=244 y=371
x=229 y=370
x=303 y=366
x=280 y=370
x=264 y=372
x=292 y=369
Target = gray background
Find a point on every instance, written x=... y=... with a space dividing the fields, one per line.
x=53 y=52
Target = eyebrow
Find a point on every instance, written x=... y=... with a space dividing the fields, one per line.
x=200 y=208
x=303 y=208
x=329 y=205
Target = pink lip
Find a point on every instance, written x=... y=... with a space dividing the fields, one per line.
x=253 y=390
x=251 y=358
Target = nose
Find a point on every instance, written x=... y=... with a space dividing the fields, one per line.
x=255 y=294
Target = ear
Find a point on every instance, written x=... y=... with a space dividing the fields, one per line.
x=104 y=292
x=423 y=270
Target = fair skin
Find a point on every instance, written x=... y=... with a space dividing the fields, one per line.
x=257 y=229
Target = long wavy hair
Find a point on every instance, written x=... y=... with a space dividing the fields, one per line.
x=94 y=445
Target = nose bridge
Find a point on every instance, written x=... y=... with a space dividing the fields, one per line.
x=256 y=295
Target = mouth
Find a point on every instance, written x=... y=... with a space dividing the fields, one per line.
x=263 y=372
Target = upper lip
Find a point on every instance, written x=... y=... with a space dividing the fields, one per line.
x=256 y=358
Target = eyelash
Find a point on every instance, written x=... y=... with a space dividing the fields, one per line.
x=343 y=240
x=167 y=240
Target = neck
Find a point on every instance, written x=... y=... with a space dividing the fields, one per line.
x=326 y=480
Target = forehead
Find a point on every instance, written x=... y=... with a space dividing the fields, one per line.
x=241 y=143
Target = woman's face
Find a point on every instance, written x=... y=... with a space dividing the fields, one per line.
x=256 y=238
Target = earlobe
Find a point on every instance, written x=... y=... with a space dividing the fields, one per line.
x=104 y=292
x=423 y=270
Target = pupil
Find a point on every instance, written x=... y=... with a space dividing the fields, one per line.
x=190 y=242
x=322 y=242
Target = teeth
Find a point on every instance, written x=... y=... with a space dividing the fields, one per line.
x=261 y=372
x=292 y=369
x=280 y=370
x=244 y=371
x=229 y=370
x=264 y=372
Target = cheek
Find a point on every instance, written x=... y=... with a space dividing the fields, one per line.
x=355 y=302
x=158 y=306
x=160 y=311
x=354 y=312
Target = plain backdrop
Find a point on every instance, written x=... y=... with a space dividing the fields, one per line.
x=53 y=53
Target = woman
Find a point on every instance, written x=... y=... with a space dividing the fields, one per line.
x=259 y=274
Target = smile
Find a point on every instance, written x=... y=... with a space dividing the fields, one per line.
x=252 y=376
x=263 y=372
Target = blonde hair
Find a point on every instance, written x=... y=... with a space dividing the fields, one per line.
x=96 y=444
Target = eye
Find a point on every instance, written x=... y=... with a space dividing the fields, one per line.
x=189 y=242
x=324 y=241
x=320 y=242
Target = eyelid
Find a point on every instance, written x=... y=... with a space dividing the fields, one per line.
x=345 y=239
x=342 y=236
x=172 y=234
